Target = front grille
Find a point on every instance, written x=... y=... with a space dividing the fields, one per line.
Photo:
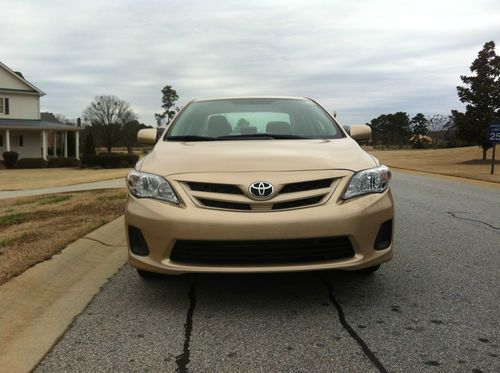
x=214 y=188
x=298 y=203
x=306 y=185
x=228 y=196
x=224 y=204
x=262 y=251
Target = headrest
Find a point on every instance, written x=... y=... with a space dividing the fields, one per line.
x=218 y=126
x=249 y=131
x=278 y=128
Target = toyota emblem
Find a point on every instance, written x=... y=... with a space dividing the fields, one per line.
x=261 y=190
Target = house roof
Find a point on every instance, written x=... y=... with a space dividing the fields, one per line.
x=33 y=124
x=20 y=76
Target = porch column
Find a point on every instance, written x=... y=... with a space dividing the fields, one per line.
x=65 y=144
x=54 y=150
x=7 y=140
x=77 y=144
x=44 y=145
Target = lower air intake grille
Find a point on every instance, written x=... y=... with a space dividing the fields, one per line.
x=262 y=252
x=224 y=204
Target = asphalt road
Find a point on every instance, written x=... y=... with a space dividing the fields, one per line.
x=434 y=307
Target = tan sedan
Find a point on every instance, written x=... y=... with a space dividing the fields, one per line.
x=258 y=184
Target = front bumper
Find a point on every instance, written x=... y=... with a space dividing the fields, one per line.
x=163 y=224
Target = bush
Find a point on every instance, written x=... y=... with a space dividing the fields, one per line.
x=10 y=159
x=31 y=163
x=110 y=160
x=64 y=162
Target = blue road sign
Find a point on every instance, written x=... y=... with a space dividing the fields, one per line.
x=494 y=132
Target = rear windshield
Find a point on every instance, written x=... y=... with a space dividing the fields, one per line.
x=250 y=119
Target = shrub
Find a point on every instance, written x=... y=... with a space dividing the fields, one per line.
x=10 y=159
x=31 y=163
x=64 y=162
x=89 y=147
x=110 y=160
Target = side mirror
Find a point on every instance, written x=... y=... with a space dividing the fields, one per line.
x=361 y=132
x=147 y=136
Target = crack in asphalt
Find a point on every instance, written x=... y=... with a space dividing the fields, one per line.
x=182 y=359
x=369 y=353
x=453 y=213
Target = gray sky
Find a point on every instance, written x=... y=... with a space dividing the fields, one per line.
x=360 y=58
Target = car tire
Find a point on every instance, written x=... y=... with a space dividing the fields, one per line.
x=367 y=271
x=146 y=275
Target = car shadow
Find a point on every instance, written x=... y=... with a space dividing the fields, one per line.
x=276 y=289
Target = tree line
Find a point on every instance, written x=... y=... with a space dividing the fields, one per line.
x=481 y=96
x=113 y=123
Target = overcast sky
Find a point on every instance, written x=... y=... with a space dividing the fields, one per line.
x=360 y=58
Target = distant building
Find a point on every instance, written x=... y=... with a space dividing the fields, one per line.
x=22 y=128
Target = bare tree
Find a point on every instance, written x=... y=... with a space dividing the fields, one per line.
x=108 y=115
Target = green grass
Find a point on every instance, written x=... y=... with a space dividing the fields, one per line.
x=12 y=218
x=55 y=199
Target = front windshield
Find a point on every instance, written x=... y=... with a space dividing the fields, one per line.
x=249 y=118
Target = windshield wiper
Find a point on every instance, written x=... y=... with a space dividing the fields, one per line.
x=190 y=138
x=263 y=136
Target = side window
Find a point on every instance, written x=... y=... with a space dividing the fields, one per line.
x=1 y=140
x=21 y=140
x=1 y=106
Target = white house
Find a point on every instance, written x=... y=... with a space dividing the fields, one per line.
x=22 y=129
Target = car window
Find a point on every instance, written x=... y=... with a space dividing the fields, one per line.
x=250 y=118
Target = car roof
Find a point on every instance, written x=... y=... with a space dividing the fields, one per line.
x=251 y=97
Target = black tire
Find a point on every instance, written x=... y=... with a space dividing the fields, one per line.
x=146 y=275
x=367 y=271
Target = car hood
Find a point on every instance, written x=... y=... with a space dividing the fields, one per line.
x=172 y=157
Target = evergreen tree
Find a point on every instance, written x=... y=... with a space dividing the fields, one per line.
x=169 y=97
x=481 y=94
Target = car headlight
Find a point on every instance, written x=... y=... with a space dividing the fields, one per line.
x=374 y=180
x=144 y=185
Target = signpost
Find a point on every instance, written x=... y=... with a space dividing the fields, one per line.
x=494 y=137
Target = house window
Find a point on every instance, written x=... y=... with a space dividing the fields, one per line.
x=1 y=140
x=18 y=140
x=4 y=105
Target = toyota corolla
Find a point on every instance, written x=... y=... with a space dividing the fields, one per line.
x=258 y=184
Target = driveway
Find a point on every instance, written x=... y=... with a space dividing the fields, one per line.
x=106 y=184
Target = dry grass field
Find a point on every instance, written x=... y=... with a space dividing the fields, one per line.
x=461 y=162
x=32 y=229
x=16 y=179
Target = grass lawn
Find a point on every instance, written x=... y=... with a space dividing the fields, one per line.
x=54 y=177
x=462 y=162
x=32 y=229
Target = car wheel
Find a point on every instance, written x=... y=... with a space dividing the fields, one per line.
x=146 y=275
x=367 y=271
